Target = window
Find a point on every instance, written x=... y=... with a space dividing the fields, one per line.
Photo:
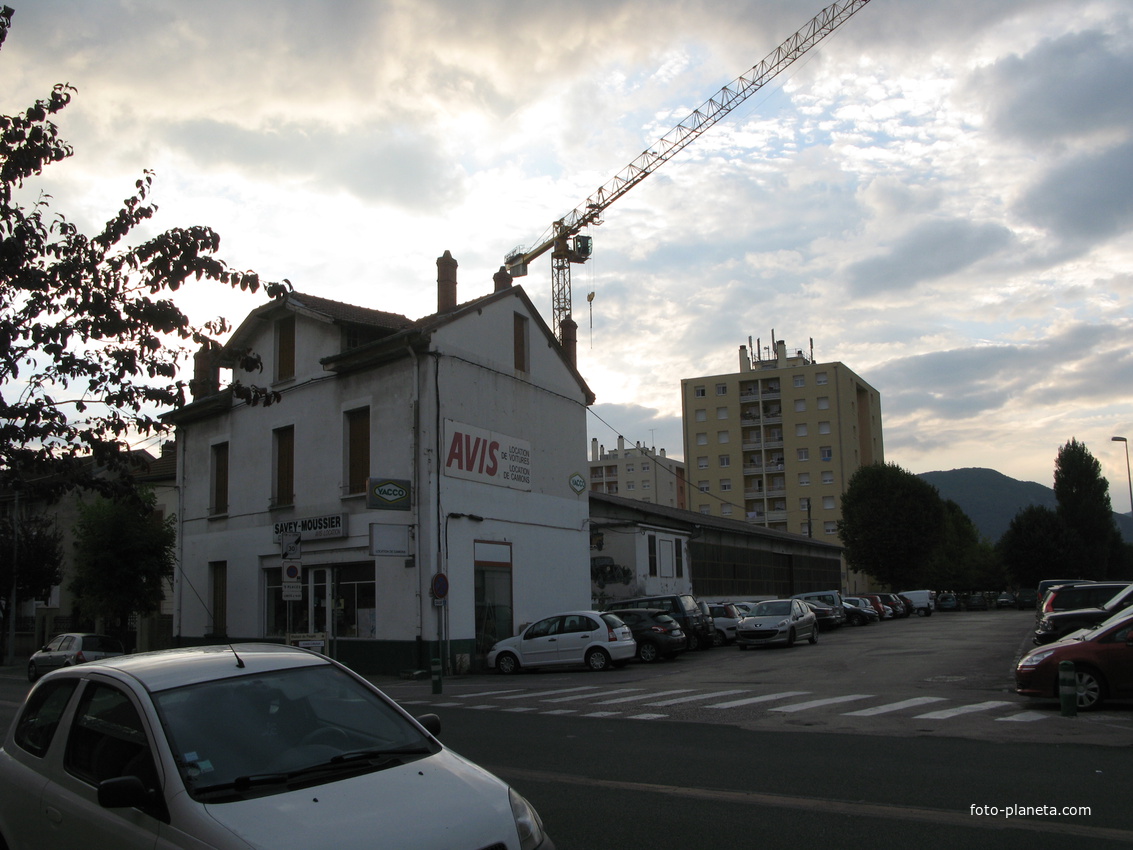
x=519 y=339
x=108 y=739
x=219 y=475
x=40 y=718
x=827 y=476
x=218 y=594
x=630 y=485
x=702 y=486
x=804 y=479
x=722 y=436
x=802 y=454
x=645 y=466
x=821 y=379
x=800 y=405
x=800 y=380
x=645 y=485
x=830 y=527
x=828 y=503
x=725 y=510
x=823 y=427
x=678 y=552
x=824 y=402
x=356 y=592
x=285 y=348
x=800 y=429
x=724 y=460
x=698 y=392
x=725 y=485
x=804 y=504
x=283 y=484
x=721 y=389
x=702 y=439
x=629 y=467
x=702 y=463
x=357 y=449
x=701 y=415
x=653 y=554
x=705 y=510
x=721 y=413
x=826 y=453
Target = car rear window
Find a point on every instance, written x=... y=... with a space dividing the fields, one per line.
x=101 y=643
x=613 y=620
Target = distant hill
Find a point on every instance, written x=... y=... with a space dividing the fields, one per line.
x=991 y=499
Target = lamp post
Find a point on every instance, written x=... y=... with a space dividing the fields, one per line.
x=1128 y=475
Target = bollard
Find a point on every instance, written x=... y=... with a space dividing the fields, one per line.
x=436 y=675
x=1068 y=689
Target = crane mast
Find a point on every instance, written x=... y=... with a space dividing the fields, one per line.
x=562 y=239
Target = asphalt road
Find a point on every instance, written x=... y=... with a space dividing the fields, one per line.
x=899 y=733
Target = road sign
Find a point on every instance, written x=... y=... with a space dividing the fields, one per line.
x=289 y=543
x=440 y=586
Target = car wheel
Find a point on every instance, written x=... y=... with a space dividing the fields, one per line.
x=791 y=638
x=813 y=636
x=33 y=674
x=647 y=652
x=507 y=663
x=693 y=642
x=597 y=660
x=718 y=638
x=1090 y=689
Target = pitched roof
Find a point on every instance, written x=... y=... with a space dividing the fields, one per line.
x=339 y=311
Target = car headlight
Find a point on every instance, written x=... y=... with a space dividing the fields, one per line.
x=527 y=821
x=783 y=624
x=1036 y=658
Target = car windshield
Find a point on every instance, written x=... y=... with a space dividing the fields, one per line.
x=772 y=609
x=278 y=730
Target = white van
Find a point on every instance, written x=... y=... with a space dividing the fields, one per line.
x=923 y=600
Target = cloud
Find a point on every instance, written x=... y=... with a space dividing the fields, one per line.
x=930 y=250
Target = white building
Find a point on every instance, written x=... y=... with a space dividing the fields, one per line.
x=431 y=469
x=638 y=473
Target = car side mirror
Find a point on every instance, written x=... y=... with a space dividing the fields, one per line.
x=123 y=792
x=432 y=724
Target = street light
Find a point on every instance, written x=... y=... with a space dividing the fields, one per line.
x=1128 y=475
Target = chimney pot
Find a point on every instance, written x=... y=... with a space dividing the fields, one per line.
x=446 y=283
x=502 y=279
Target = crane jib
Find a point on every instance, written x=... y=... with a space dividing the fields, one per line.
x=683 y=134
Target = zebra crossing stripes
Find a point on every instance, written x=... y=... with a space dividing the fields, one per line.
x=894 y=706
x=642 y=696
x=946 y=713
x=819 y=703
x=736 y=703
x=693 y=698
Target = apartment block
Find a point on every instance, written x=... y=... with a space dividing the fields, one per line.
x=776 y=442
x=637 y=473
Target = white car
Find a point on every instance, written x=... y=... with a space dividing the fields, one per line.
x=595 y=639
x=727 y=617
x=777 y=621
x=240 y=747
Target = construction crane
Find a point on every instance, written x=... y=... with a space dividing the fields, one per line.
x=564 y=240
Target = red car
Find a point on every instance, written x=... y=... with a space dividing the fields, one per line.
x=1103 y=664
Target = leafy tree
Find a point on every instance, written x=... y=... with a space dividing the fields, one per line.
x=1034 y=546
x=31 y=562
x=961 y=560
x=1084 y=509
x=892 y=524
x=90 y=340
x=124 y=557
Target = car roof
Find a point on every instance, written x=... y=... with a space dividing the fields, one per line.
x=172 y=668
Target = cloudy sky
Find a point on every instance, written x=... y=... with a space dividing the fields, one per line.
x=940 y=195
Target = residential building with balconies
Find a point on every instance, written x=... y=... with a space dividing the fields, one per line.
x=637 y=473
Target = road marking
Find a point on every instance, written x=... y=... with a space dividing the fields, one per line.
x=1025 y=717
x=818 y=703
x=486 y=693
x=591 y=696
x=946 y=713
x=602 y=714
x=695 y=697
x=518 y=708
x=893 y=706
x=647 y=716
x=644 y=696
x=751 y=700
x=552 y=693
x=562 y=711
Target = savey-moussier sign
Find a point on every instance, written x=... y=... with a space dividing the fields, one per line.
x=486 y=456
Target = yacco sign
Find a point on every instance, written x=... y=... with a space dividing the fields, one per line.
x=388 y=494
x=485 y=456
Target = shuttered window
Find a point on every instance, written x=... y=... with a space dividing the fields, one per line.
x=357 y=449
x=219 y=479
x=284 y=439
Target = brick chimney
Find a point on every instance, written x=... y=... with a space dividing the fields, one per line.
x=206 y=371
x=502 y=279
x=569 y=329
x=446 y=283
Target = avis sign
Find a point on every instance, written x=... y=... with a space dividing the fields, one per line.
x=486 y=456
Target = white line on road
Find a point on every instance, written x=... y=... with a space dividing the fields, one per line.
x=486 y=693
x=591 y=696
x=694 y=697
x=751 y=700
x=818 y=703
x=893 y=706
x=644 y=696
x=946 y=713
x=552 y=693
x=1025 y=717
x=647 y=716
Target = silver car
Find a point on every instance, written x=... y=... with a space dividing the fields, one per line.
x=69 y=649
x=597 y=640
x=777 y=621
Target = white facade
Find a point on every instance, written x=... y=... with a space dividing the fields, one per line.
x=474 y=415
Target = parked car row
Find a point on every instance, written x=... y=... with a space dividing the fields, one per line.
x=1056 y=617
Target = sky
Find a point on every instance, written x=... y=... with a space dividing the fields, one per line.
x=940 y=195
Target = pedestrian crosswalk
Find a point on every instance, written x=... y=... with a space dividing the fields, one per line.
x=643 y=703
